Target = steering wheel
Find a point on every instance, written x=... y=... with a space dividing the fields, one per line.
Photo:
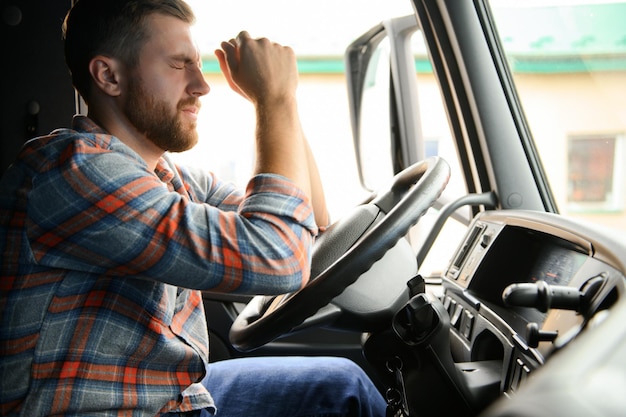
x=347 y=249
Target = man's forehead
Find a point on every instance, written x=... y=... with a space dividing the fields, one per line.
x=166 y=28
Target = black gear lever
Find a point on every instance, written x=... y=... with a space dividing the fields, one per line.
x=543 y=296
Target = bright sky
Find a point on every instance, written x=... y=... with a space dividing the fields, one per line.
x=541 y=3
x=323 y=27
x=320 y=28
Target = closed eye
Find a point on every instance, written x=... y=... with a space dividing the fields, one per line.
x=187 y=64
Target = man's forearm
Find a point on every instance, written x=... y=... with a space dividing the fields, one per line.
x=281 y=147
x=318 y=198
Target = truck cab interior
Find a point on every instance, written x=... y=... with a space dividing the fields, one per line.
x=484 y=271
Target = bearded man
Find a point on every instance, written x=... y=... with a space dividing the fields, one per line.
x=106 y=244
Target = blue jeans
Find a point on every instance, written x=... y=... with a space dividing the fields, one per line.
x=292 y=387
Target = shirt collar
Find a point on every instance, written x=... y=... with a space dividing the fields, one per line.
x=84 y=124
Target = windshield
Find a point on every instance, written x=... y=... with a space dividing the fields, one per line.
x=568 y=61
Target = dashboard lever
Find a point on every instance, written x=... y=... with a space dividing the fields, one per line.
x=534 y=335
x=543 y=296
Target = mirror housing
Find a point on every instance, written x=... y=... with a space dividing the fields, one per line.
x=401 y=105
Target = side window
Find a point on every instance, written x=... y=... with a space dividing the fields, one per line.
x=437 y=140
x=227 y=122
x=436 y=136
x=226 y=125
x=399 y=118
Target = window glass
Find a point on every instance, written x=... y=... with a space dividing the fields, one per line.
x=319 y=39
x=375 y=124
x=434 y=139
x=437 y=140
x=568 y=60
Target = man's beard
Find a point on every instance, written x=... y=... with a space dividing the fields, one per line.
x=153 y=118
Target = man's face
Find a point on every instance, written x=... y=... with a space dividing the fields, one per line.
x=158 y=120
x=163 y=91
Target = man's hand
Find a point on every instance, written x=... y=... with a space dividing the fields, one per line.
x=260 y=70
x=266 y=74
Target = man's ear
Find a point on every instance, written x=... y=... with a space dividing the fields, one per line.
x=106 y=74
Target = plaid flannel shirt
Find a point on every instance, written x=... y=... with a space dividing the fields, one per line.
x=102 y=263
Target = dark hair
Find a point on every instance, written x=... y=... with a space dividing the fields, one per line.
x=114 y=28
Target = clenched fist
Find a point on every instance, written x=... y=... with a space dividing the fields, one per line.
x=262 y=71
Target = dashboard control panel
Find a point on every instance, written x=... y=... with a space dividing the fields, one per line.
x=518 y=288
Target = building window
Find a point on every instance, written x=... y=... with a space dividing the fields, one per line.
x=595 y=177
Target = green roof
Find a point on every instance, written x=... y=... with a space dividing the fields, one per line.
x=538 y=40
x=543 y=39
x=600 y=29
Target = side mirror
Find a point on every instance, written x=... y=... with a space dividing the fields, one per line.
x=382 y=91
